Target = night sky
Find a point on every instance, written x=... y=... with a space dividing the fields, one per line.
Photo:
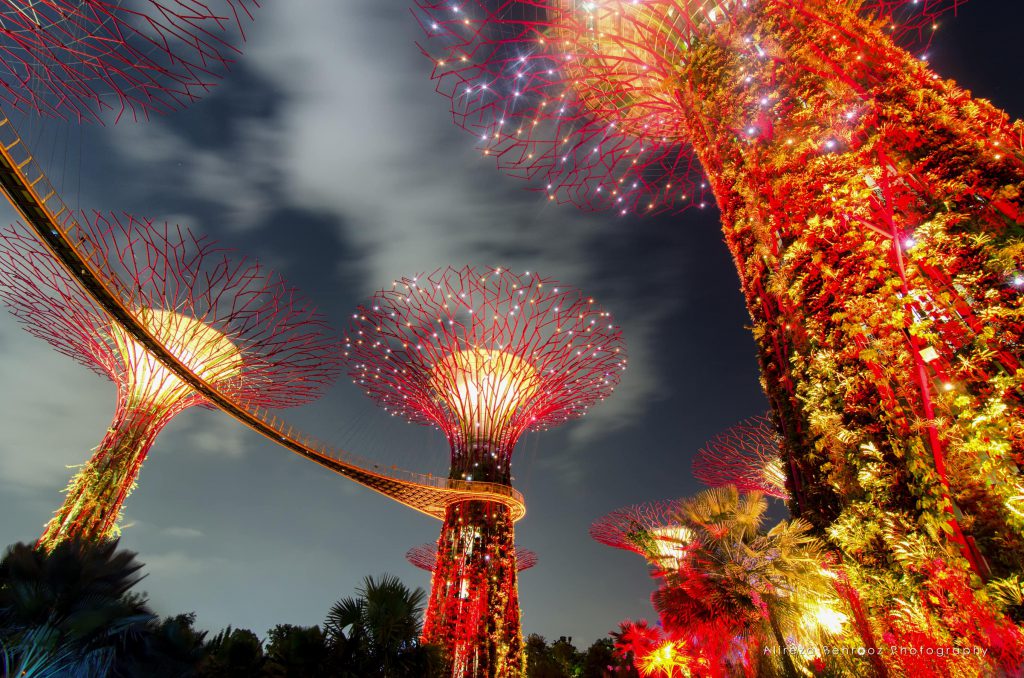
x=327 y=155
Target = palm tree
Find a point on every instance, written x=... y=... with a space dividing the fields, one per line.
x=35 y=657
x=297 y=652
x=233 y=653
x=761 y=584
x=71 y=607
x=377 y=632
x=170 y=648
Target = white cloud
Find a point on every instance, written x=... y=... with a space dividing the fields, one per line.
x=361 y=136
x=179 y=564
x=238 y=182
x=182 y=532
x=53 y=400
x=370 y=142
x=639 y=386
x=208 y=433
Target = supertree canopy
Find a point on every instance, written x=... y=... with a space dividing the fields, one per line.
x=872 y=209
x=233 y=323
x=79 y=58
x=424 y=557
x=747 y=456
x=484 y=355
x=650 y=530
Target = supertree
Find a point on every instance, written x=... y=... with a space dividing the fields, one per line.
x=872 y=210
x=79 y=58
x=235 y=324
x=424 y=557
x=484 y=355
x=650 y=530
x=745 y=455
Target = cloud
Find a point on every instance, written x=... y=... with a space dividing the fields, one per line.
x=239 y=183
x=180 y=564
x=368 y=140
x=55 y=401
x=640 y=384
x=182 y=532
x=208 y=433
x=356 y=133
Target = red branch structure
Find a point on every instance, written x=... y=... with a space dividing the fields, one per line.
x=232 y=322
x=747 y=456
x=82 y=58
x=611 y=141
x=483 y=355
x=650 y=530
x=873 y=211
x=424 y=557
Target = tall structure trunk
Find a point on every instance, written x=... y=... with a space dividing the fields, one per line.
x=474 y=601
x=788 y=665
x=873 y=213
x=95 y=495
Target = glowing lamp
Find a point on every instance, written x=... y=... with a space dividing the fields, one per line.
x=824 y=617
x=663 y=660
x=483 y=389
x=208 y=353
x=669 y=546
x=621 y=59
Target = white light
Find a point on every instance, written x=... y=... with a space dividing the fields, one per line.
x=204 y=350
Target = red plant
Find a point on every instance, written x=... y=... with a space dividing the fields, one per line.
x=634 y=639
x=966 y=625
x=424 y=557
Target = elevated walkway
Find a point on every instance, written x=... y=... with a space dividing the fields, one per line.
x=37 y=201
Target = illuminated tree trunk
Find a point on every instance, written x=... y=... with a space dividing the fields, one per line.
x=872 y=212
x=788 y=666
x=474 y=601
x=96 y=493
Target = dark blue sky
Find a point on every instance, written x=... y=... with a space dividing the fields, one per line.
x=327 y=155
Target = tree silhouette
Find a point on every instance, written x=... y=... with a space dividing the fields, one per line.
x=378 y=630
x=72 y=608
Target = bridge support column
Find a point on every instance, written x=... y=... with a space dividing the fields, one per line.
x=474 y=601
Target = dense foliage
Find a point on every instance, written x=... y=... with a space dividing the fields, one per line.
x=739 y=600
x=71 y=612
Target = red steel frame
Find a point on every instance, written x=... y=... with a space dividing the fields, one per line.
x=255 y=338
x=484 y=355
x=650 y=530
x=424 y=557
x=745 y=455
x=81 y=59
